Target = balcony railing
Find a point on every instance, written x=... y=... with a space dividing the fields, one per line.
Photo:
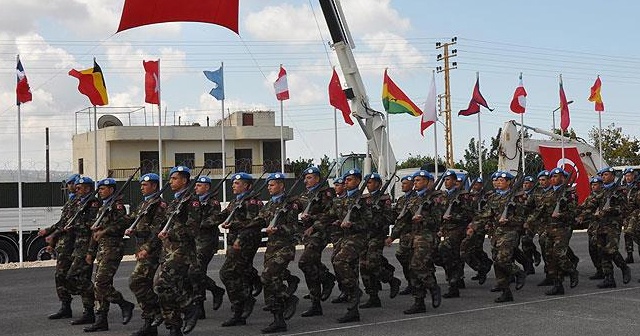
x=241 y=165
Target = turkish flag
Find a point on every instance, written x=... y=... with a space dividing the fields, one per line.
x=152 y=81
x=552 y=158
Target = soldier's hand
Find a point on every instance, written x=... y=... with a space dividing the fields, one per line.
x=388 y=241
x=305 y=217
x=346 y=225
x=271 y=230
x=88 y=259
x=128 y=232
x=447 y=217
x=502 y=220
x=469 y=232
x=142 y=254
x=163 y=235
x=236 y=245
x=308 y=231
x=98 y=235
x=42 y=232
x=225 y=225
x=417 y=218
x=49 y=248
x=556 y=215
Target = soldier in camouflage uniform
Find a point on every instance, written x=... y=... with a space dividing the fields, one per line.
x=472 y=246
x=107 y=243
x=586 y=217
x=505 y=212
x=62 y=242
x=531 y=255
x=374 y=266
x=207 y=242
x=317 y=199
x=346 y=256
x=335 y=232
x=403 y=252
x=608 y=211
x=79 y=276
x=243 y=241
x=425 y=211
x=630 y=222
x=557 y=210
x=459 y=212
x=179 y=250
x=152 y=216
x=281 y=250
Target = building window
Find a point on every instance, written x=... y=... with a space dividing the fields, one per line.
x=185 y=159
x=244 y=160
x=213 y=160
x=247 y=119
x=148 y=162
x=80 y=166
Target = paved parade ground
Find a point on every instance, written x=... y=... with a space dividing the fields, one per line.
x=27 y=296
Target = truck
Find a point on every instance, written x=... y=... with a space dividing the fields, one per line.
x=33 y=218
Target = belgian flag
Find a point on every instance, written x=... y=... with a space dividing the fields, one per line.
x=91 y=84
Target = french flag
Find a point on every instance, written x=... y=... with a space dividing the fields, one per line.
x=23 y=92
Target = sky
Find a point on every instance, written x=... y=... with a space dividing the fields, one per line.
x=497 y=39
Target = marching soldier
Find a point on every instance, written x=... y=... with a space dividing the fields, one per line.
x=107 y=243
x=152 y=214
x=243 y=241
x=62 y=242
x=335 y=232
x=586 y=217
x=179 y=249
x=403 y=252
x=79 y=275
x=629 y=222
x=425 y=212
x=459 y=212
x=281 y=250
x=318 y=199
x=374 y=267
x=471 y=247
x=346 y=256
x=505 y=212
x=531 y=255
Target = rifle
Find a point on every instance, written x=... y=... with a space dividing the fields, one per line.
x=107 y=207
x=145 y=210
x=383 y=190
x=356 y=203
x=519 y=180
x=185 y=196
x=436 y=185
x=316 y=195
x=81 y=208
x=283 y=209
x=607 y=203
x=486 y=185
x=454 y=199
x=255 y=192
x=556 y=210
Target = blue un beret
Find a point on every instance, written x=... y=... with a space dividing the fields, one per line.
x=528 y=179
x=407 y=178
x=149 y=177
x=242 y=176
x=204 y=179
x=423 y=173
x=504 y=174
x=558 y=171
x=339 y=180
x=479 y=180
x=109 y=182
x=72 y=178
x=543 y=173
x=373 y=176
x=182 y=169
x=606 y=169
x=628 y=170
x=596 y=179
x=84 y=180
x=355 y=172
x=450 y=173
x=276 y=176
x=312 y=170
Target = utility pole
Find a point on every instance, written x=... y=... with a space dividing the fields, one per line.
x=445 y=56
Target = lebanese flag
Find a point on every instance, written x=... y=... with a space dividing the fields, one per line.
x=152 y=81
x=552 y=158
x=477 y=100
x=564 y=109
x=23 y=91
x=338 y=99
x=281 y=86
x=429 y=117
x=519 y=101
x=136 y=13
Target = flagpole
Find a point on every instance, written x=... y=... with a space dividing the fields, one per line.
x=561 y=128
x=95 y=143
x=282 y=136
x=224 y=151
x=479 y=135
x=335 y=130
x=435 y=146
x=159 y=129
x=522 y=153
x=386 y=149
x=600 y=138
x=20 y=240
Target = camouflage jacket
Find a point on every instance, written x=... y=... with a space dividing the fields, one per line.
x=489 y=217
x=152 y=221
x=586 y=209
x=546 y=204
x=632 y=197
x=185 y=223
x=609 y=216
x=321 y=200
x=431 y=206
x=400 y=209
x=241 y=225
x=381 y=215
x=210 y=208
x=360 y=215
x=461 y=209
x=287 y=225
x=81 y=227
x=62 y=240
x=114 y=223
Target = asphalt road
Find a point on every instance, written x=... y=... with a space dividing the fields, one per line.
x=27 y=296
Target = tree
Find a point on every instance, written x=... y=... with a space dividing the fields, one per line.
x=418 y=161
x=618 y=148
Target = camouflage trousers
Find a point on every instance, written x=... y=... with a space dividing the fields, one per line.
x=631 y=230
x=374 y=267
x=422 y=269
x=504 y=243
x=63 y=264
x=528 y=246
x=449 y=250
x=276 y=261
x=78 y=281
x=556 y=248
x=237 y=273
x=141 y=285
x=311 y=265
x=206 y=248
x=346 y=262
x=172 y=282
x=472 y=252
x=403 y=254
x=594 y=252
x=608 y=240
x=107 y=265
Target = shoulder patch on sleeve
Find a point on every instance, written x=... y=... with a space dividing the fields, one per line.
x=216 y=202
x=119 y=206
x=163 y=204
x=195 y=204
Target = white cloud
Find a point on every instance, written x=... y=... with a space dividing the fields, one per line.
x=270 y=23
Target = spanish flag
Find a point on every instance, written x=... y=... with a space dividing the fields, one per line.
x=395 y=101
x=92 y=84
x=595 y=95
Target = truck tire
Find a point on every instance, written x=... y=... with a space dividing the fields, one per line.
x=8 y=252
x=38 y=251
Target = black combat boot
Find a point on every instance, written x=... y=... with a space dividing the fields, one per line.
x=460 y=284
x=626 y=274
x=573 y=279
x=436 y=296
x=506 y=296
x=257 y=285
x=328 y=282
x=537 y=257
x=315 y=310
x=146 y=329
x=418 y=307
x=607 y=282
x=127 y=310
x=453 y=292
x=101 y=323
x=557 y=289
x=64 y=312
x=629 y=259
x=521 y=278
x=175 y=331
x=407 y=290
x=290 y=306
x=236 y=319
x=373 y=302
x=597 y=276
x=352 y=315
x=342 y=298
x=292 y=285
x=202 y=315
x=88 y=317
x=247 y=309
x=394 y=287
x=191 y=316
x=218 y=295
x=278 y=324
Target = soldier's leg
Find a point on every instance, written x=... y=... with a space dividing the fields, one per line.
x=403 y=254
x=141 y=285
x=63 y=264
x=628 y=238
x=595 y=255
x=169 y=285
x=423 y=274
x=447 y=250
x=345 y=265
x=310 y=264
x=79 y=283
